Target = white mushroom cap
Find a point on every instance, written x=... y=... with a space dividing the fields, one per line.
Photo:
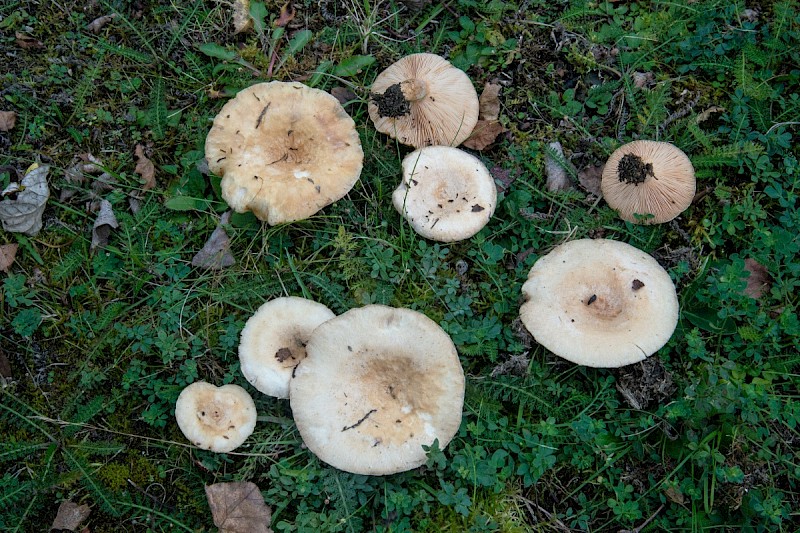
x=215 y=418
x=644 y=178
x=274 y=339
x=599 y=303
x=423 y=100
x=446 y=194
x=284 y=151
x=378 y=384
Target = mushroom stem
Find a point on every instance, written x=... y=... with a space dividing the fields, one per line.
x=414 y=89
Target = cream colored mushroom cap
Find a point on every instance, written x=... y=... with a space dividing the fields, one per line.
x=274 y=339
x=284 y=151
x=215 y=418
x=442 y=102
x=446 y=194
x=378 y=384
x=667 y=190
x=599 y=303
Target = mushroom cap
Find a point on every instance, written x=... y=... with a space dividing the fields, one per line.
x=599 y=303
x=668 y=187
x=441 y=104
x=284 y=151
x=446 y=194
x=215 y=418
x=378 y=384
x=274 y=339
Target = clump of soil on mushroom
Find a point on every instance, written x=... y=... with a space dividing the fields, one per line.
x=633 y=170
x=392 y=103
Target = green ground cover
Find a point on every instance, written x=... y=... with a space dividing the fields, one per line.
x=97 y=342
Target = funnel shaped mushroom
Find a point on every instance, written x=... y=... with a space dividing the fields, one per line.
x=284 y=151
x=446 y=194
x=423 y=100
x=274 y=341
x=648 y=182
x=215 y=418
x=599 y=303
x=378 y=384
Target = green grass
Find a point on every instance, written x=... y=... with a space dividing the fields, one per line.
x=100 y=342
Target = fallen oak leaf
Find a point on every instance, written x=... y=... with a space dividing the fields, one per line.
x=103 y=224
x=215 y=254
x=238 y=507
x=8 y=119
x=8 y=252
x=70 y=515
x=145 y=168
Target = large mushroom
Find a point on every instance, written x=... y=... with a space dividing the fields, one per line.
x=599 y=303
x=648 y=182
x=218 y=419
x=423 y=100
x=274 y=339
x=378 y=384
x=446 y=194
x=284 y=151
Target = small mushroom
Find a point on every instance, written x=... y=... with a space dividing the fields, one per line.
x=648 y=182
x=423 y=100
x=446 y=194
x=218 y=419
x=284 y=151
x=599 y=303
x=379 y=383
x=273 y=342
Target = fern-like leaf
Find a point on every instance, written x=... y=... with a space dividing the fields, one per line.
x=728 y=155
x=158 y=109
x=101 y=495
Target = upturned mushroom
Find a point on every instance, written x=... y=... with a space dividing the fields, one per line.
x=599 y=303
x=378 y=384
x=446 y=194
x=218 y=419
x=284 y=151
x=423 y=100
x=648 y=182
x=273 y=342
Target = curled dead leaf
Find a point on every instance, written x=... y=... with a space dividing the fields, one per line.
x=70 y=515
x=97 y=24
x=22 y=204
x=286 y=16
x=489 y=102
x=215 y=254
x=555 y=168
x=103 y=224
x=8 y=252
x=145 y=168
x=759 y=280
x=238 y=507
x=8 y=119
x=27 y=42
x=484 y=134
x=242 y=21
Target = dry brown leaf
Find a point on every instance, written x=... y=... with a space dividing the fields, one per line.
x=489 y=102
x=70 y=515
x=242 y=21
x=97 y=24
x=8 y=252
x=103 y=224
x=759 y=281
x=343 y=94
x=215 y=253
x=22 y=204
x=705 y=115
x=286 y=16
x=8 y=119
x=503 y=178
x=145 y=168
x=238 y=507
x=28 y=42
x=590 y=177
x=484 y=134
x=675 y=495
